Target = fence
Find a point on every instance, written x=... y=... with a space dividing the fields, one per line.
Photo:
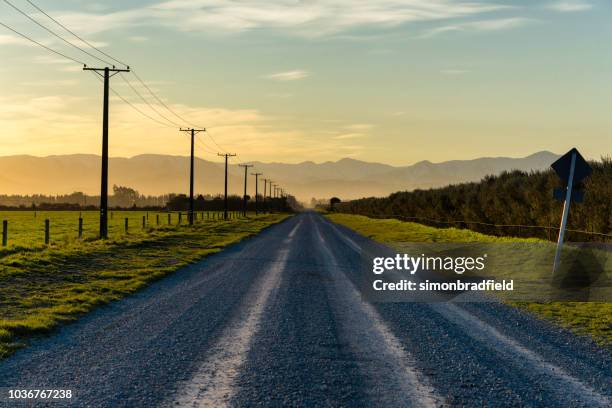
x=465 y=223
x=24 y=229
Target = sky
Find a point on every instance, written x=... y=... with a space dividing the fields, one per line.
x=393 y=81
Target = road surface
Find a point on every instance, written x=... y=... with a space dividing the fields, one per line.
x=276 y=320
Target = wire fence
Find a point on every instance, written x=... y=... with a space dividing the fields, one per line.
x=28 y=229
x=466 y=223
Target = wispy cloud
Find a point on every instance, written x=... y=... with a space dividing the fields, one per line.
x=454 y=71
x=294 y=75
x=138 y=38
x=308 y=18
x=359 y=126
x=11 y=39
x=569 y=6
x=346 y=136
x=478 y=26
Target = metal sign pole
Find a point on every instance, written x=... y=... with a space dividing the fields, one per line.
x=566 y=206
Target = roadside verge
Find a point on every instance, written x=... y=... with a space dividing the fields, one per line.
x=585 y=318
x=43 y=289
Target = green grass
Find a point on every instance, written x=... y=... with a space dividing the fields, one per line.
x=585 y=318
x=26 y=229
x=41 y=288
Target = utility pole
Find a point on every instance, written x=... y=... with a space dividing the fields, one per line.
x=191 y=204
x=106 y=74
x=257 y=191
x=226 y=155
x=267 y=204
x=244 y=197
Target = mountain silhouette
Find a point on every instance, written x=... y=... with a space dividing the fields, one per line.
x=154 y=174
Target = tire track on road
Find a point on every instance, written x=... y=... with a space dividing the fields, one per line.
x=538 y=370
x=574 y=389
x=213 y=383
x=389 y=368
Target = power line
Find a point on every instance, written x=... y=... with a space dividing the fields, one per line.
x=161 y=101
x=74 y=34
x=41 y=45
x=53 y=32
x=215 y=142
x=146 y=102
x=134 y=106
x=181 y=118
x=203 y=146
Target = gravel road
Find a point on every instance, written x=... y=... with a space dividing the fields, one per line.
x=277 y=321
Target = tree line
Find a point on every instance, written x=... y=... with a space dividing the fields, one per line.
x=510 y=198
x=129 y=198
x=234 y=203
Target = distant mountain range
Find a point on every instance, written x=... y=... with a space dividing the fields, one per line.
x=160 y=174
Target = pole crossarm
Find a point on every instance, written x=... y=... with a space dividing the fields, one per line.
x=194 y=130
x=114 y=70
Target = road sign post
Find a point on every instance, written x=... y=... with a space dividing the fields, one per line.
x=572 y=169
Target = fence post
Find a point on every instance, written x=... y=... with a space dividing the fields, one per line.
x=180 y=220
x=4 y=233
x=80 y=227
x=126 y=224
x=144 y=222
x=157 y=219
x=47 y=231
x=169 y=219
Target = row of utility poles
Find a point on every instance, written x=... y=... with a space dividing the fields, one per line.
x=107 y=73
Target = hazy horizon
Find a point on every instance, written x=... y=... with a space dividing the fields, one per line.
x=163 y=174
x=216 y=159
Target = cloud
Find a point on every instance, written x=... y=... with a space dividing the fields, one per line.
x=51 y=83
x=11 y=39
x=359 y=126
x=306 y=18
x=569 y=6
x=289 y=75
x=138 y=38
x=346 y=136
x=478 y=26
x=454 y=71
x=50 y=60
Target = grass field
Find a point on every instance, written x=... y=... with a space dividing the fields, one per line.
x=41 y=288
x=587 y=318
x=26 y=229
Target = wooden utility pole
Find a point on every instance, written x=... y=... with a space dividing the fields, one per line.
x=244 y=197
x=106 y=74
x=191 y=203
x=226 y=155
x=257 y=191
